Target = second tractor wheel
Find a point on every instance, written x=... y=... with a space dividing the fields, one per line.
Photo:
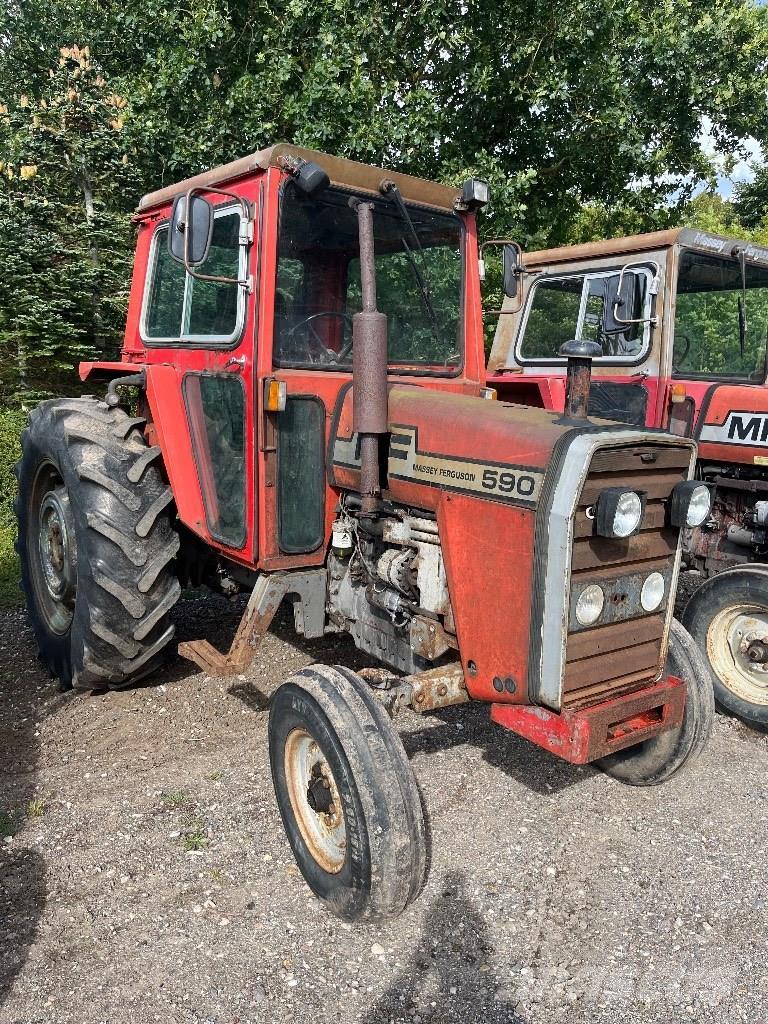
x=658 y=759
x=728 y=618
x=96 y=543
x=346 y=794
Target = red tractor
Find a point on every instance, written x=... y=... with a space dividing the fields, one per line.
x=299 y=413
x=679 y=321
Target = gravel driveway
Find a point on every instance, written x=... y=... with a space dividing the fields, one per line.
x=144 y=874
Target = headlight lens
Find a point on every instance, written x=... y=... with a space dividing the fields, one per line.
x=652 y=593
x=626 y=519
x=589 y=605
x=618 y=512
x=691 y=504
x=699 y=506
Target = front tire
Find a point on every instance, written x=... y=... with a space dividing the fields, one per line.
x=346 y=794
x=728 y=618
x=658 y=759
x=96 y=544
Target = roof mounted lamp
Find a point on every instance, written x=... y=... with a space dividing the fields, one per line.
x=475 y=193
x=310 y=178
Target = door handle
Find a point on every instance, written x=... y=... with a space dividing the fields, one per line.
x=235 y=361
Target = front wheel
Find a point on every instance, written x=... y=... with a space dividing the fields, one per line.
x=658 y=759
x=346 y=794
x=728 y=618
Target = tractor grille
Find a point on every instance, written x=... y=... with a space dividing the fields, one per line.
x=623 y=650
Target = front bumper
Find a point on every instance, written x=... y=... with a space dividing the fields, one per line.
x=593 y=732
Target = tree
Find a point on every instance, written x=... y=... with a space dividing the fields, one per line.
x=751 y=200
x=65 y=182
x=600 y=105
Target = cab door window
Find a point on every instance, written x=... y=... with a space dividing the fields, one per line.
x=573 y=306
x=182 y=308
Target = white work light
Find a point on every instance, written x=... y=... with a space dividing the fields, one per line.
x=618 y=512
x=589 y=605
x=691 y=504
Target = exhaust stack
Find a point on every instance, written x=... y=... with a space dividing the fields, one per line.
x=579 y=355
x=369 y=367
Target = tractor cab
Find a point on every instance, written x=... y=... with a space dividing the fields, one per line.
x=678 y=315
x=246 y=282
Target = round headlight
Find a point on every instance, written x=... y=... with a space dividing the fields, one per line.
x=626 y=518
x=589 y=606
x=699 y=506
x=652 y=593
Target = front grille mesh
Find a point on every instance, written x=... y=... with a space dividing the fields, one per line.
x=608 y=660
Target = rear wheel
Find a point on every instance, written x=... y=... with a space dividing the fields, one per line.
x=96 y=543
x=346 y=794
x=728 y=618
x=658 y=759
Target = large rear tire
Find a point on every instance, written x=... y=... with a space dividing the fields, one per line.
x=96 y=543
x=346 y=794
x=657 y=760
x=728 y=618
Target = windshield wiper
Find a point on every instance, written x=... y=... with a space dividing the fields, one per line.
x=742 y=303
x=420 y=273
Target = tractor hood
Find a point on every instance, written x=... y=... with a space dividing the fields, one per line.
x=443 y=442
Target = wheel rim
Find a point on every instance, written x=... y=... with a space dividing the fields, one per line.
x=737 y=648
x=53 y=554
x=315 y=800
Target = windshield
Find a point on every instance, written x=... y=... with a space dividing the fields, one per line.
x=712 y=338
x=318 y=282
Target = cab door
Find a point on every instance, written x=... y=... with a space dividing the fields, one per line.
x=200 y=346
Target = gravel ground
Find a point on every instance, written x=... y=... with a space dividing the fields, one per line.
x=145 y=876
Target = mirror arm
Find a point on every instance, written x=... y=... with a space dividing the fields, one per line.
x=654 y=289
x=246 y=214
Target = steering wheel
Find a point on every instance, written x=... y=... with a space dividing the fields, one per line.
x=326 y=354
x=679 y=357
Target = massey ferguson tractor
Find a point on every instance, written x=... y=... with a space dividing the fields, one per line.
x=678 y=321
x=299 y=413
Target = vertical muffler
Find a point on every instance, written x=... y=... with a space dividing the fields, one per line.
x=579 y=354
x=369 y=367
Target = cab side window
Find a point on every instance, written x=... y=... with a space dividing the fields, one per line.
x=563 y=308
x=179 y=307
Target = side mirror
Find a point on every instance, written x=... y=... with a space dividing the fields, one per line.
x=189 y=237
x=511 y=270
x=620 y=298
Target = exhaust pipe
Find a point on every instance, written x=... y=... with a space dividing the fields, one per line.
x=579 y=355
x=369 y=367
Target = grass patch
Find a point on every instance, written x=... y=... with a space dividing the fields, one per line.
x=195 y=838
x=10 y=594
x=175 y=799
x=9 y=823
x=35 y=808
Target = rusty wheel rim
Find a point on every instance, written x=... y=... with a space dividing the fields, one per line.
x=736 y=637
x=53 y=554
x=315 y=800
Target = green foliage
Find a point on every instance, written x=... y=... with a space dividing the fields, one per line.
x=10 y=594
x=751 y=201
x=11 y=425
x=65 y=237
x=585 y=121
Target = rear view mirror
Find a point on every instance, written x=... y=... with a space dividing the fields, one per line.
x=511 y=270
x=621 y=300
x=189 y=238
